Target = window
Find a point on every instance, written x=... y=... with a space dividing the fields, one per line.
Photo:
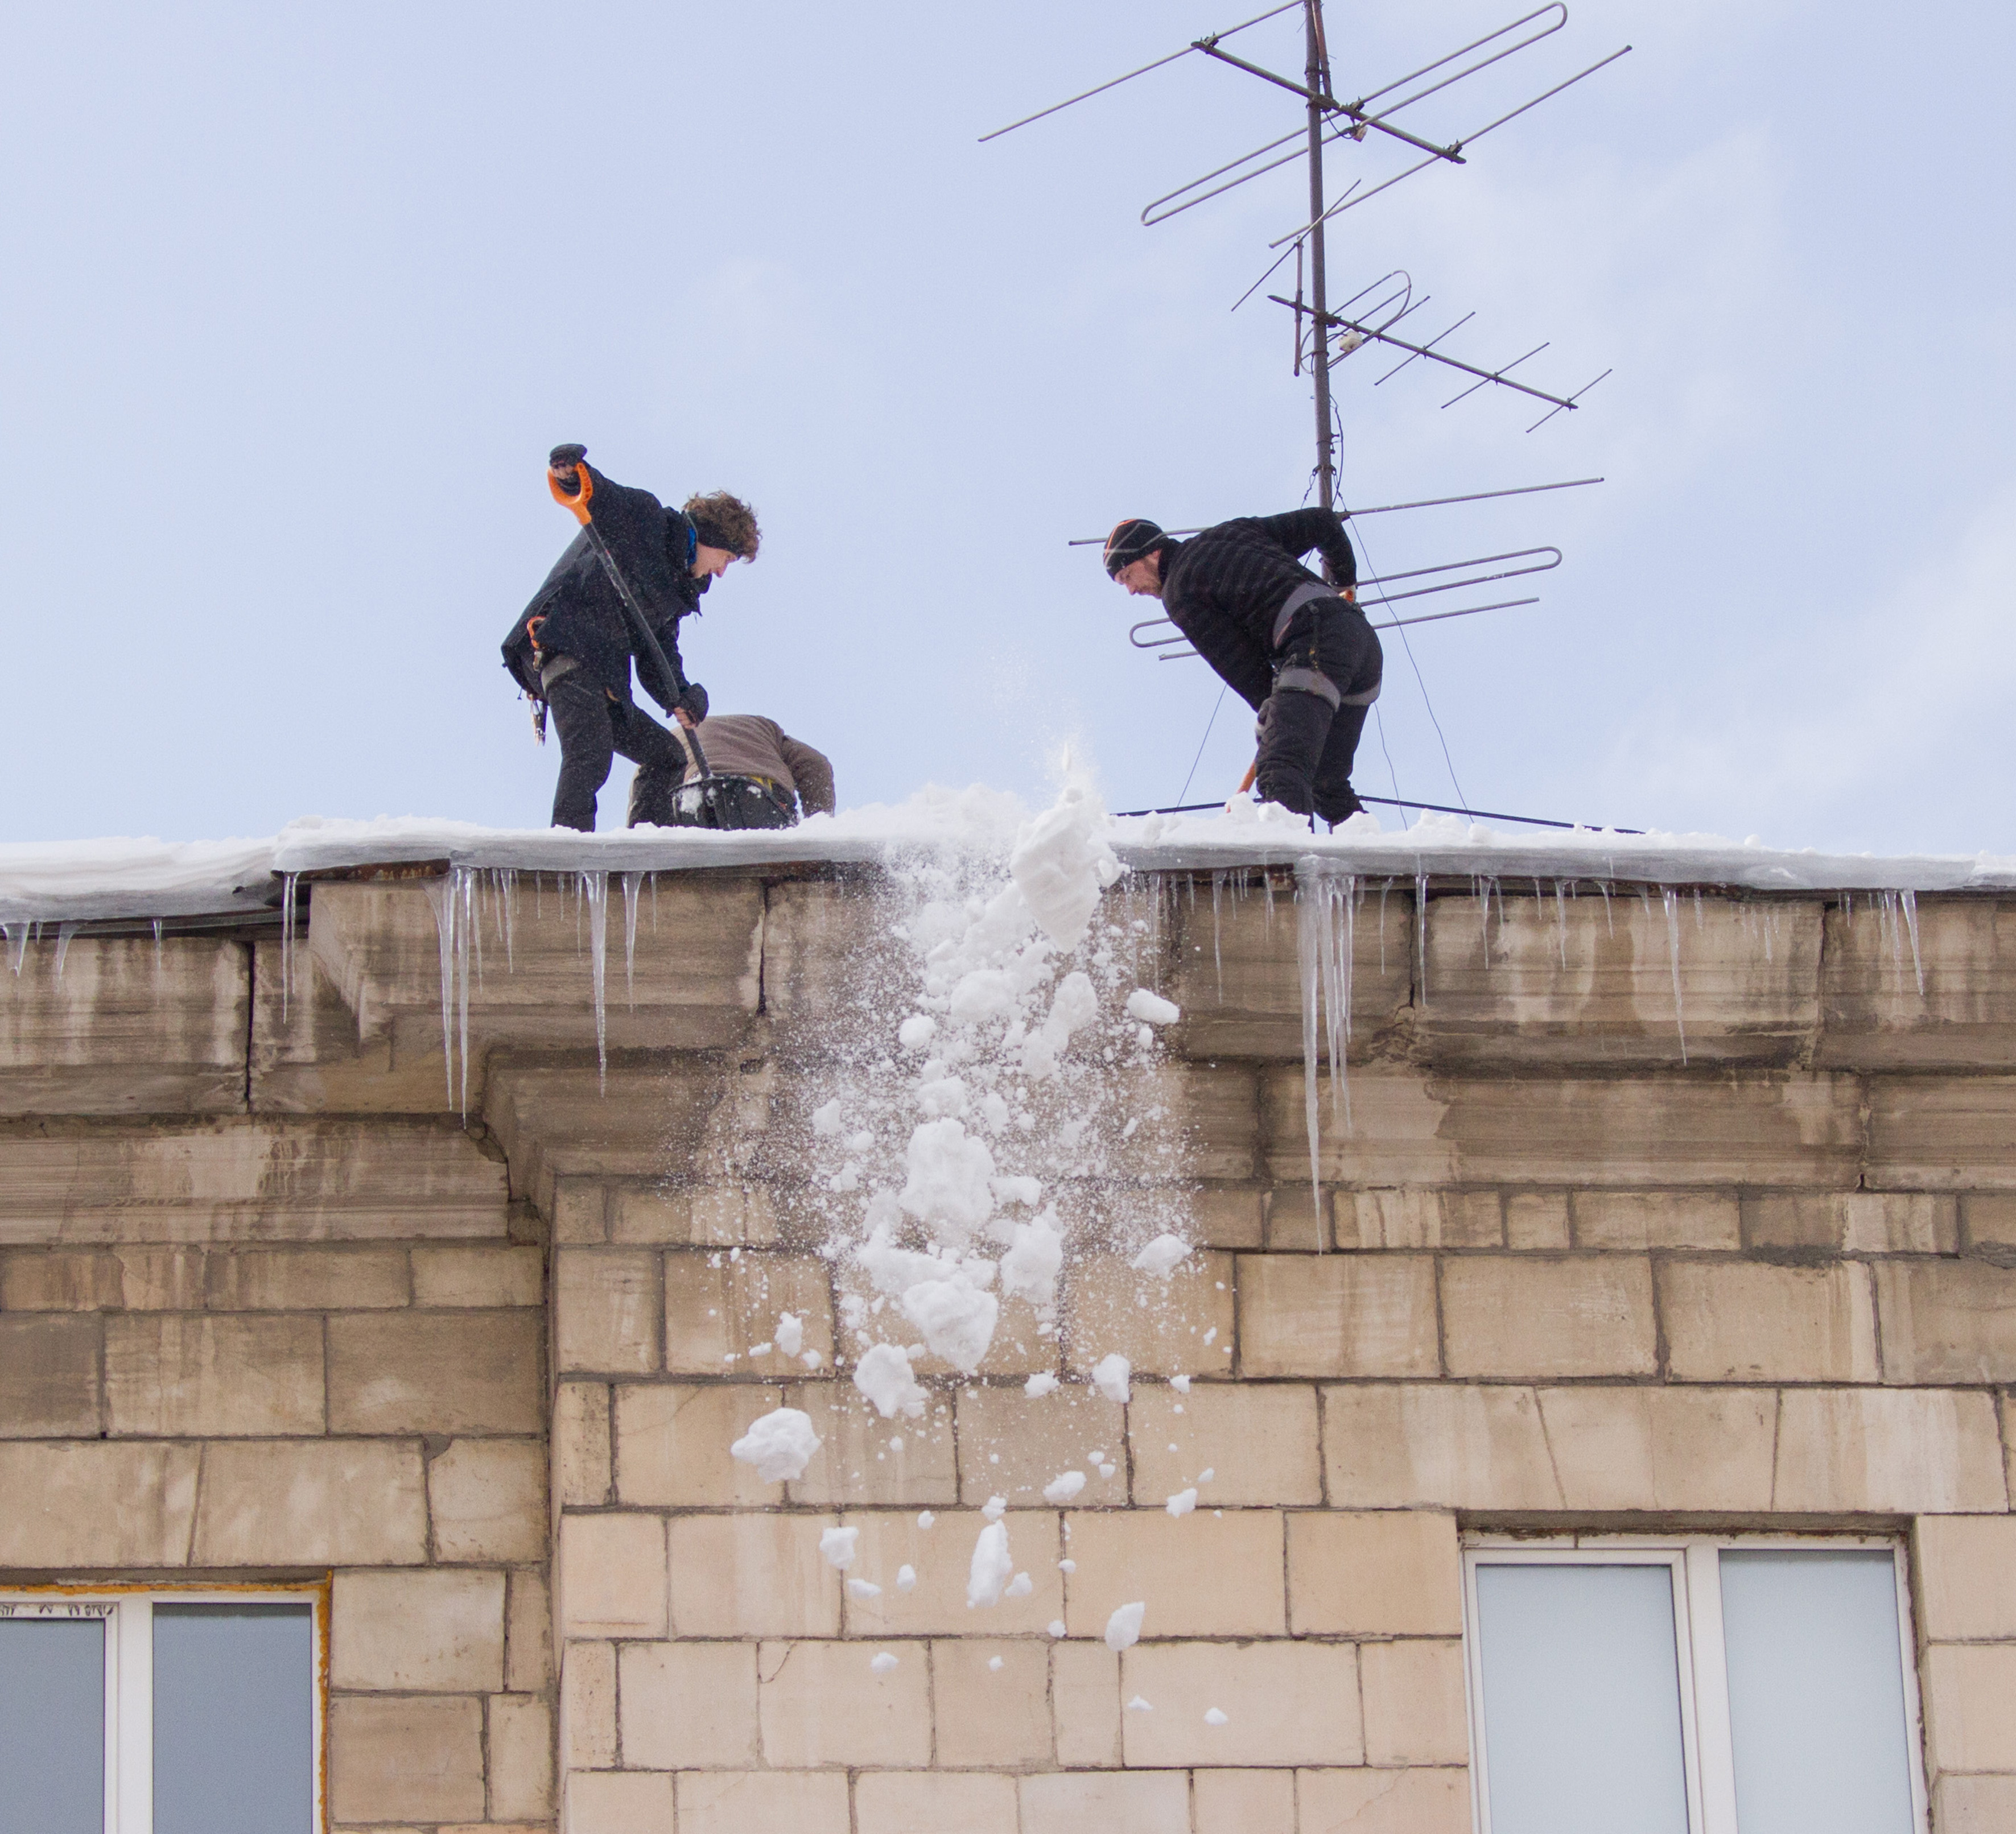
x=1692 y=1686
x=180 y=1713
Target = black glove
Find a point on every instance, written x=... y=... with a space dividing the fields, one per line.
x=693 y=702
x=562 y=461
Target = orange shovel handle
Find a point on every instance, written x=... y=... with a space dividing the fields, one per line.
x=1246 y=783
x=579 y=498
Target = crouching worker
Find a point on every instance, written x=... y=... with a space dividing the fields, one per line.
x=740 y=770
x=571 y=648
x=1296 y=647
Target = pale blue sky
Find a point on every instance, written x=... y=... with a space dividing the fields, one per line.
x=296 y=300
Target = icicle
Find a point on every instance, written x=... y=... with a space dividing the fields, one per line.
x=593 y=891
x=654 y=903
x=1217 y=954
x=631 y=882
x=17 y=942
x=511 y=917
x=464 y=882
x=287 y=940
x=1385 y=886
x=440 y=899
x=473 y=905
x=1671 y=900
x=157 y=945
x=64 y=932
x=1908 y=899
x=1700 y=921
x=1421 y=929
x=1609 y=917
x=1561 y=922
x=1308 y=951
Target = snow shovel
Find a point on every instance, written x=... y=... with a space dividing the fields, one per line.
x=567 y=459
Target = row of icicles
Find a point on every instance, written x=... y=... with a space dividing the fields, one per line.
x=469 y=901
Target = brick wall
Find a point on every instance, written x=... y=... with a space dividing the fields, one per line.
x=1700 y=1220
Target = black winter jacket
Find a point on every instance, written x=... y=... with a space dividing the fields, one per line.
x=1223 y=588
x=582 y=617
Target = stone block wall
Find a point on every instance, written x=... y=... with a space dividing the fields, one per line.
x=235 y=1346
x=1689 y=1216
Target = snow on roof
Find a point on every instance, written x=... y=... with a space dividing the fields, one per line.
x=93 y=879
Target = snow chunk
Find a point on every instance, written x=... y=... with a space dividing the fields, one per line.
x=994 y=1508
x=837 y=1544
x=884 y=1376
x=980 y=994
x=906 y=1578
x=992 y=1566
x=825 y=1117
x=882 y=1664
x=1180 y=1383
x=1138 y=1705
x=1064 y=1486
x=1213 y=1717
x=1036 y=1256
x=957 y=1320
x=863 y=1588
x=1073 y=1006
x=1206 y=1474
x=1182 y=1502
x=790 y=1335
x=943 y=1096
x=1055 y=1626
x=1152 y=1008
x=916 y=1031
x=780 y=1445
x=1161 y=1256
x=950 y=1184
x=1109 y=1376
x=996 y=1663
x=1037 y=1386
x=1061 y=866
x=1123 y=1628
x=1018 y=1190
x=1019 y=1587
x=926 y=1519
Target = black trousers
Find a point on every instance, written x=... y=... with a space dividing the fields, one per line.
x=1308 y=741
x=592 y=728
x=656 y=796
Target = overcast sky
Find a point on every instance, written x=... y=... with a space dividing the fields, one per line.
x=296 y=299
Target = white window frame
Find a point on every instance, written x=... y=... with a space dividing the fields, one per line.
x=127 y=1613
x=1693 y=1562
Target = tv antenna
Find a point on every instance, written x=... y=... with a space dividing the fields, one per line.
x=1329 y=119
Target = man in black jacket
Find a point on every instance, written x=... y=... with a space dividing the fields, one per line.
x=1296 y=648
x=572 y=646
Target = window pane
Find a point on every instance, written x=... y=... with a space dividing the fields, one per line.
x=1815 y=1692
x=51 y=1725
x=234 y=1719
x=1581 y=1700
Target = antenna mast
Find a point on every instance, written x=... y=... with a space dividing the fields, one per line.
x=1318 y=80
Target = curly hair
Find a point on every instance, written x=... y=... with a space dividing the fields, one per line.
x=722 y=521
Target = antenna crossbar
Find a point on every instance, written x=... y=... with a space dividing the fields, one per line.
x=1086 y=95
x=1571 y=483
x=1329 y=104
x=1435 y=356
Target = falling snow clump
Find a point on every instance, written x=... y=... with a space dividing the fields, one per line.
x=1123 y=1628
x=780 y=1445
